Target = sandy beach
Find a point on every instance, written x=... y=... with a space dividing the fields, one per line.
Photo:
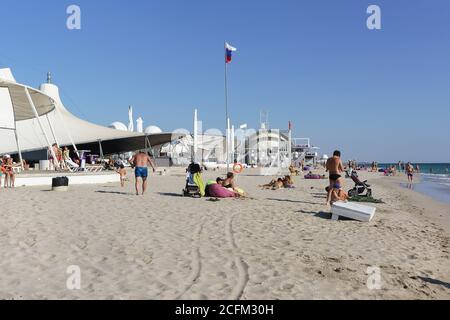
x=279 y=245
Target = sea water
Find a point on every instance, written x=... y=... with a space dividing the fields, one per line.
x=434 y=180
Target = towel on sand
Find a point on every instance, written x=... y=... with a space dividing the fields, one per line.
x=365 y=199
x=198 y=180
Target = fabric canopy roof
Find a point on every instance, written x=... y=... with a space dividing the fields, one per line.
x=21 y=106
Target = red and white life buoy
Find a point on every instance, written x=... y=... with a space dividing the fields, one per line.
x=238 y=168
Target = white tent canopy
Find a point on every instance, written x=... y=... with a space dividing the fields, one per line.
x=15 y=105
x=29 y=131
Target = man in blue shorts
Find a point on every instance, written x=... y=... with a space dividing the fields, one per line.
x=140 y=162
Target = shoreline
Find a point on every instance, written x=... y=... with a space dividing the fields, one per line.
x=436 y=210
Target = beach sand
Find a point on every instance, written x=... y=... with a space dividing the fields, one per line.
x=279 y=245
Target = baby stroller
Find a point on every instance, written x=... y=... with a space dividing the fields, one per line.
x=192 y=189
x=360 y=186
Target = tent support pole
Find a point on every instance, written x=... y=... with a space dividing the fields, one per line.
x=100 y=148
x=52 y=130
x=19 y=149
x=36 y=114
x=67 y=129
x=148 y=145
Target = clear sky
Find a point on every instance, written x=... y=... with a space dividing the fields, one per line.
x=375 y=94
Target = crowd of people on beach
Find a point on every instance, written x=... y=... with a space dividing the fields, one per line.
x=221 y=187
x=7 y=171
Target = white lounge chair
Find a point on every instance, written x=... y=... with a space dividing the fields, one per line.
x=353 y=211
x=72 y=166
x=17 y=170
x=94 y=168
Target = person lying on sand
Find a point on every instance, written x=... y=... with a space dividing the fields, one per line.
x=273 y=185
x=268 y=185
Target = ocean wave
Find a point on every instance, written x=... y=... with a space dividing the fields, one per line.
x=436 y=177
x=436 y=174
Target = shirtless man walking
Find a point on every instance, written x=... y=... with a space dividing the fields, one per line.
x=335 y=168
x=140 y=161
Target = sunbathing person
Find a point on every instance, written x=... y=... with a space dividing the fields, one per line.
x=279 y=184
x=269 y=185
x=288 y=182
x=294 y=171
x=228 y=183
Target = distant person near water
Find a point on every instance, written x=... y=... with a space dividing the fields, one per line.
x=335 y=168
x=410 y=172
x=140 y=162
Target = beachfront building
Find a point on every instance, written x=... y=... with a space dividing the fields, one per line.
x=31 y=120
x=264 y=148
x=210 y=150
x=304 y=151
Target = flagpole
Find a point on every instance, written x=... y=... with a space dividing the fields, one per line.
x=226 y=114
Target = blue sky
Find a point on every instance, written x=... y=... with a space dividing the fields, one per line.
x=376 y=95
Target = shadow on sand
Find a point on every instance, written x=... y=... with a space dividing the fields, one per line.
x=434 y=281
x=323 y=215
x=295 y=201
x=171 y=194
x=320 y=214
x=116 y=192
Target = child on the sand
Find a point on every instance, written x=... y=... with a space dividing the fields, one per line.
x=337 y=194
x=123 y=175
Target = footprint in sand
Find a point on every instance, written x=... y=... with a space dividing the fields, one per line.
x=196 y=264
x=242 y=267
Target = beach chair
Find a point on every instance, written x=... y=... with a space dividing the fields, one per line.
x=17 y=170
x=72 y=166
x=94 y=168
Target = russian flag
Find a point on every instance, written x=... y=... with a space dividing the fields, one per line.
x=229 y=52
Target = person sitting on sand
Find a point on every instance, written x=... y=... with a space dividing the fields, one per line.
x=123 y=175
x=293 y=171
x=228 y=183
x=279 y=184
x=338 y=194
x=219 y=181
x=288 y=182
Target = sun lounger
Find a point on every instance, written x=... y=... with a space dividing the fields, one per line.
x=17 y=170
x=353 y=211
x=72 y=166
x=94 y=168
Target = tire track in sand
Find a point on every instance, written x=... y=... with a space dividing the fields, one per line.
x=239 y=262
x=196 y=264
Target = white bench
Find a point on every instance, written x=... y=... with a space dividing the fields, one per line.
x=353 y=211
